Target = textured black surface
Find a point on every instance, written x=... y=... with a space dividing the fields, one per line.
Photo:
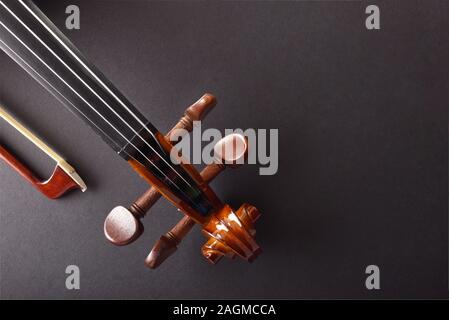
x=362 y=118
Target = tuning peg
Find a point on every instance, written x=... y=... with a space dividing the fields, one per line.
x=122 y=225
x=229 y=152
x=168 y=243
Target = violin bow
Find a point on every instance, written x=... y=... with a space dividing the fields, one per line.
x=64 y=177
x=41 y=49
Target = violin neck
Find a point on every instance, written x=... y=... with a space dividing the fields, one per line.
x=37 y=45
x=32 y=40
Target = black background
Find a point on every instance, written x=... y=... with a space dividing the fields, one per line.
x=362 y=119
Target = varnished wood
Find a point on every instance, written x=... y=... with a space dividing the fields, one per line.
x=61 y=163
x=58 y=184
x=227 y=228
x=168 y=243
x=196 y=112
x=121 y=227
x=229 y=233
x=213 y=250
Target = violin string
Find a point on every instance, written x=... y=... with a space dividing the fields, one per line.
x=137 y=149
x=9 y=50
x=85 y=84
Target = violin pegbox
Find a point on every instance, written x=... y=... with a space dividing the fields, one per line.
x=230 y=233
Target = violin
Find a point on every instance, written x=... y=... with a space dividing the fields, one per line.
x=41 y=49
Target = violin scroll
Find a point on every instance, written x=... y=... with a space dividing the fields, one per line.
x=232 y=233
x=229 y=152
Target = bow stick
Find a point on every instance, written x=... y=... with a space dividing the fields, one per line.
x=64 y=177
